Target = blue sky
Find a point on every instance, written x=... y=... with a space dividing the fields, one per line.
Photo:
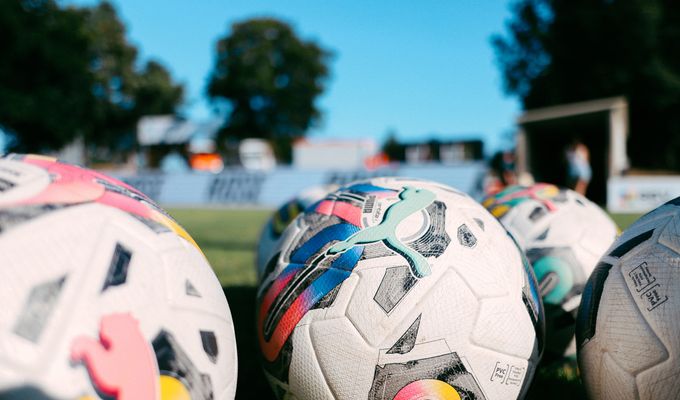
x=421 y=68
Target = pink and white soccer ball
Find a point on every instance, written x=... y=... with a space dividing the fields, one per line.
x=103 y=294
x=629 y=320
x=398 y=289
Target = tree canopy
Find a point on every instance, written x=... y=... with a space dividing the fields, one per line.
x=561 y=51
x=270 y=78
x=44 y=74
x=70 y=72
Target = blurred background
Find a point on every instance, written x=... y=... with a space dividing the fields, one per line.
x=223 y=110
x=246 y=102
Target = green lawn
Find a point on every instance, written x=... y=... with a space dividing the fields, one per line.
x=228 y=238
x=624 y=220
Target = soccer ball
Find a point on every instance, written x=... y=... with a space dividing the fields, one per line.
x=278 y=222
x=628 y=322
x=563 y=235
x=398 y=289
x=103 y=294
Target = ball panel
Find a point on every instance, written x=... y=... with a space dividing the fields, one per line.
x=614 y=382
x=670 y=235
x=660 y=384
x=346 y=360
x=502 y=328
x=308 y=379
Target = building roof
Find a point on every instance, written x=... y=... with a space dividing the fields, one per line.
x=169 y=129
x=572 y=109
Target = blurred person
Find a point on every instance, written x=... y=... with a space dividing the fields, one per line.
x=579 y=170
x=503 y=174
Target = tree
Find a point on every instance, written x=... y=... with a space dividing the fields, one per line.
x=44 y=74
x=393 y=148
x=271 y=79
x=154 y=91
x=559 y=51
x=69 y=73
x=122 y=92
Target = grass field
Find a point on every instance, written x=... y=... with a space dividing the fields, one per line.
x=228 y=239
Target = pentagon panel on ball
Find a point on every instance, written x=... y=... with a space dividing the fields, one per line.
x=563 y=234
x=104 y=295
x=395 y=288
x=270 y=235
x=629 y=320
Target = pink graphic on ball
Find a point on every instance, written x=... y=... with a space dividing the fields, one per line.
x=121 y=363
x=430 y=389
x=71 y=184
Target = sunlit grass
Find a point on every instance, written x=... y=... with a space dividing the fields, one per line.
x=624 y=220
x=228 y=238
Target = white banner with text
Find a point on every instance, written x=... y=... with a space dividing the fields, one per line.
x=640 y=194
x=269 y=189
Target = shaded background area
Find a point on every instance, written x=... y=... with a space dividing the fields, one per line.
x=548 y=143
x=252 y=383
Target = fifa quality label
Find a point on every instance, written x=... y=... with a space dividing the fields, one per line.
x=507 y=374
x=644 y=282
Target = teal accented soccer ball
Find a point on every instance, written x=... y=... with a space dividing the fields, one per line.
x=398 y=289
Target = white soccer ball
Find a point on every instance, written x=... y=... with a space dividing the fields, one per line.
x=629 y=320
x=399 y=289
x=103 y=294
x=272 y=230
x=563 y=235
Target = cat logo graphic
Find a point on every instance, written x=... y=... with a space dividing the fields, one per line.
x=122 y=364
x=412 y=201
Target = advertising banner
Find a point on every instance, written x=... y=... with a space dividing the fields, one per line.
x=268 y=189
x=639 y=194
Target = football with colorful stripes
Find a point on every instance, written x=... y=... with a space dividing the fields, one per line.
x=628 y=324
x=104 y=295
x=394 y=288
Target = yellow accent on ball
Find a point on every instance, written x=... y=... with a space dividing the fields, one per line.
x=173 y=389
x=175 y=227
x=500 y=210
x=41 y=157
x=548 y=192
x=445 y=390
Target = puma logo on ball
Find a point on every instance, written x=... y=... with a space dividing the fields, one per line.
x=412 y=201
x=121 y=363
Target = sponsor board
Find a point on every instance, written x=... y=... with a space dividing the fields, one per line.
x=639 y=194
x=269 y=189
